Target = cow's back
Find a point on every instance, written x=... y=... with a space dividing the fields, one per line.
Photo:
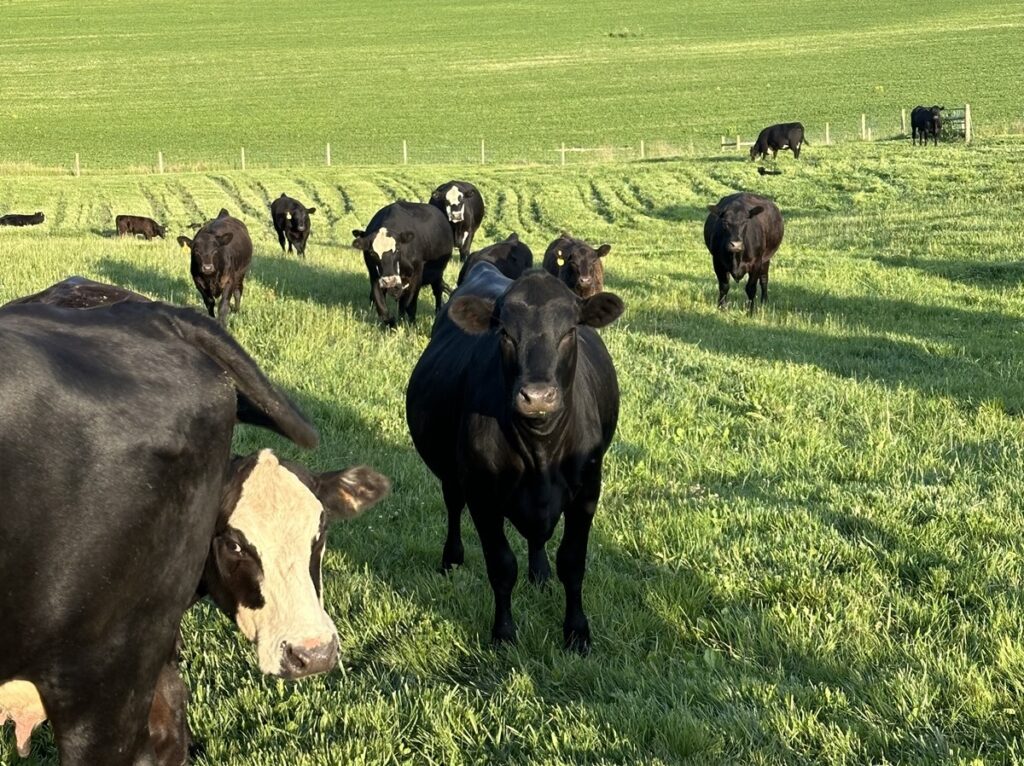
x=238 y=252
x=433 y=241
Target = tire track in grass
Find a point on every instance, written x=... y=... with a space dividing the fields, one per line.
x=318 y=201
x=235 y=195
x=189 y=203
x=158 y=206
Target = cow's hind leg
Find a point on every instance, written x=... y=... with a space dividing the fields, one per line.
x=280 y=238
x=723 y=289
x=502 y=569
x=764 y=283
x=751 y=290
x=236 y=294
x=453 y=553
x=438 y=287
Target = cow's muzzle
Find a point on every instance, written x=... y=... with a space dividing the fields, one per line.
x=392 y=283
x=308 y=658
x=538 y=400
x=207 y=268
x=456 y=216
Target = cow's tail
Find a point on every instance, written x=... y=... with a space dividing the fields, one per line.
x=259 y=402
x=804 y=140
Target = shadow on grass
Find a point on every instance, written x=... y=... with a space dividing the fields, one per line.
x=989 y=275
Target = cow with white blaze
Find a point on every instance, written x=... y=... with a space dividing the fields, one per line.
x=406 y=245
x=463 y=206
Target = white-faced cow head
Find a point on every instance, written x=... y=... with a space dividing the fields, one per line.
x=536 y=322
x=264 y=564
x=386 y=247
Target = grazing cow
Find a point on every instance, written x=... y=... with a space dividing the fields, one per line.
x=116 y=433
x=926 y=121
x=291 y=222
x=275 y=512
x=577 y=264
x=742 y=232
x=18 y=219
x=786 y=135
x=463 y=206
x=138 y=224
x=511 y=257
x=512 y=406
x=405 y=246
x=221 y=254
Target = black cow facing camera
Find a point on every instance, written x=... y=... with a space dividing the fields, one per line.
x=785 y=135
x=220 y=255
x=512 y=406
x=926 y=121
x=291 y=222
x=742 y=233
x=463 y=206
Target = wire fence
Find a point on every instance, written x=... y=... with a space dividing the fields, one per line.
x=959 y=125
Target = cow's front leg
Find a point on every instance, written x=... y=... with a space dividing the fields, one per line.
x=222 y=308
x=539 y=571
x=453 y=553
x=439 y=289
x=572 y=563
x=723 y=289
x=502 y=570
x=280 y=238
x=764 y=282
x=751 y=290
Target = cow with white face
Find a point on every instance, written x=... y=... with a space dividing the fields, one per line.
x=264 y=565
x=463 y=206
x=406 y=245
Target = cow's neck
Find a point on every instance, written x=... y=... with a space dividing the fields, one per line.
x=541 y=443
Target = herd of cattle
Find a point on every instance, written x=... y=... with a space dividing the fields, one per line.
x=121 y=503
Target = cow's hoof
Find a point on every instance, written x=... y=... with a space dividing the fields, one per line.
x=389 y=324
x=453 y=557
x=504 y=634
x=577 y=639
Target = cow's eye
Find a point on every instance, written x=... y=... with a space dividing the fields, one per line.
x=568 y=338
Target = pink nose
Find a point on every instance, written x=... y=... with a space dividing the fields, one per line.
x=308 y=658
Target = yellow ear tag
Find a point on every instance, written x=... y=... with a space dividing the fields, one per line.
x=184 y=248
x=288 y=216
x=561 y=261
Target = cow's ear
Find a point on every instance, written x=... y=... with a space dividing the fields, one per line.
x=601 y=310
x=223 y=213
x=754 y=211
x=346 y=494
x=361 y=243
x=603 y=250
x=471 y=313
x=713 y=209
x=468 y=193
x=185 y=242
x=406 y=237
x=436 y=194
x=513 y=237
x=310 y=210
x=225 y=239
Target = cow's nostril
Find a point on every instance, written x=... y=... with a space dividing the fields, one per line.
x=309 y=658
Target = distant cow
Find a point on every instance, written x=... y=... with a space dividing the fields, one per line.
x=137 y=224
x=926 y=121
x=406 y=245
x=19 y=219
x=463 y=206
x=221 y=254
x=291 y=222
x=117 y=426
x=511 y=257
x=577 y=264
x=786 y=135
x=512 y=406
x=743 y=232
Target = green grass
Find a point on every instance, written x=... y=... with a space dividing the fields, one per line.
x=809 y=547
x=119 y=81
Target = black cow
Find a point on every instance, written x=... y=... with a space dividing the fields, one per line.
x=115 y=435
x=463 y=206
x=742 y=232
x=221 y=254
x=786 y=135
x=577 y=264
x=291 y=222
x=405 y=246
x=138 y=224
x=254 y=585
x=512 y=405
x=926 y=121
x=19 y=219
x=511 y=257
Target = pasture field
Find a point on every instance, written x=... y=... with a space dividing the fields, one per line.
x=119 y=80
x=809 y=546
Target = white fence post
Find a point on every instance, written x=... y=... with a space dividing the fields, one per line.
x=563 y=152
x=243 y=158
x=643 y=154
x=328 y=154
x=160 y=161
x=78 y=167
x=483 y=157
x=828 y=135
x=405 y=152
x=967 y=123
x=863 y=126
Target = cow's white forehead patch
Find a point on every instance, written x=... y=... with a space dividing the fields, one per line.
x=280 y=517
x=383 y=243
x=454 y=196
